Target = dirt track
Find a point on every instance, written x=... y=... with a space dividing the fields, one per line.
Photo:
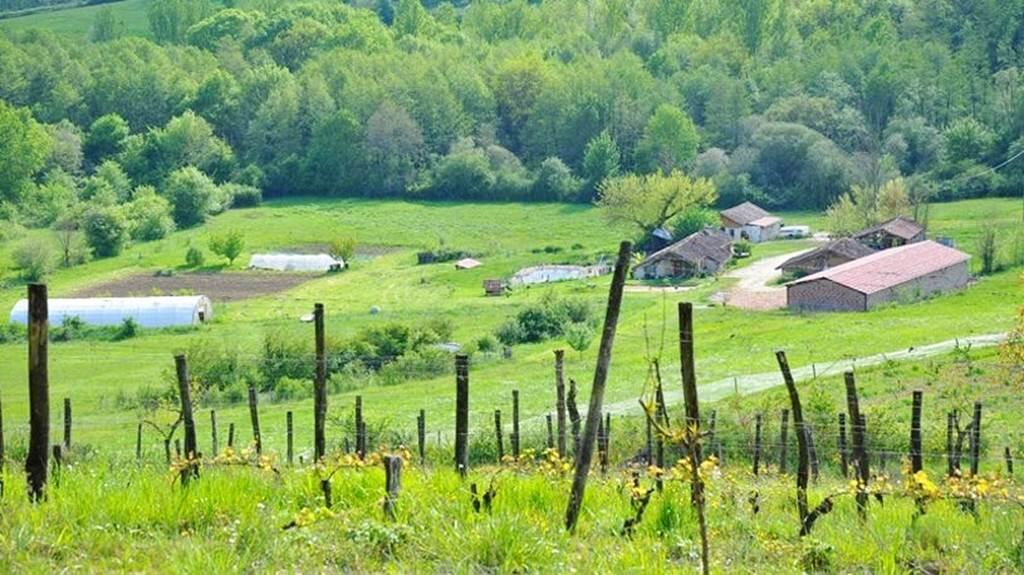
x=754 y=290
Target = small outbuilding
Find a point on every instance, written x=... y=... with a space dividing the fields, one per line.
x=830 y=255
x=467 y=264
x=148 y=312
x=750 y=222
x=699 y=254
x=296 y=262
x=898 y=231
x=906 y=272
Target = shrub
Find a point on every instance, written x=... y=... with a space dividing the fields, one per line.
x=243 y=196
x=34 y=258
x=543 y=321
x=127 y=330
x=228 y=246
x=194 y=257
x=288 y=389
x=150 y=215
x=284 y=356
x=106 y=231
x=191 y=194
x=487 y=344
x=343 y=248
x=579 y=336
x=987 y=251
x=72 y=328
x=12 y=333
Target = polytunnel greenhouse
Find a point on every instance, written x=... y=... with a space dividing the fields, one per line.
x=148 y=312
x=296 y=262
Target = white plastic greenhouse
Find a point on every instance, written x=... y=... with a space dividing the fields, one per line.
x=296 y=262
x=151 y=312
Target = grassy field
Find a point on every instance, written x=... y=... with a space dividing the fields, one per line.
x=506 y=237
x=78 y=22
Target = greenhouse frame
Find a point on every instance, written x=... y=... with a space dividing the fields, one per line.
x=148 y=312
x=296 y=262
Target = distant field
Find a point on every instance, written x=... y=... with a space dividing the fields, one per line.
x=77 y=22
x=506 y=237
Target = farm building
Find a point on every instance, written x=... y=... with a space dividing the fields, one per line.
x=898 y=231
x=830 y=255
x=467 y=264
x=702 y=253
x=296 y=262
x=149 y=312
x=910 y=271
x=749 y=221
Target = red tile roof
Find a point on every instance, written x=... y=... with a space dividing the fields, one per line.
x=890 y=268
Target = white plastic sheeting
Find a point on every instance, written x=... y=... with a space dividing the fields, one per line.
x=556 y=273
x=149 y=312
x=295 y=262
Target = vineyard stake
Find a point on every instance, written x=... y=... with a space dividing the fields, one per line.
x=713 y=443
x=462 y=414
x=976 y=439
x=360 y=429
x=138 y=443
x=757 y=443
x=1008 y=455
x=560 y=399
x=37 y=461
x=601 y=455
x=392 y=484
x=213 y=432
x=860 y=456
x=67 y=423
x=950 y=463
x=916 y=463
x=585 y=453
x=783 y=440
x=812 y=452
x=843 y=461
x=290 y=432
x=231 y=435
x=688 y=370
x=514 y=439
x=421 y=435
x=497 y=435
x=574 y=416
x=319 y=385
x=803 y=462
x=185 y=394
x=254 y=415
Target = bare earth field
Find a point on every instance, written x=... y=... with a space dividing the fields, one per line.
x=220 y=287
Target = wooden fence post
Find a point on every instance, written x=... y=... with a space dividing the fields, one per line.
x=421 y=435
x=360 y=433
x=462 y=414
x=319 y=385
x=392 y=484
x=1008 y=455
x=290 y=432
x=688 y=369
x=713 y=444
x=783 y=440
x=757 y=443
x=950 y=459
x=497 y=435
x=37 y=462
x=514 y=438
x=843 y=461
x=916 y=463
x=649 y=443
x=585 y=453
x=574 y=416
x=560 y=399
x=185 y=394
x=231 y=434
x=254 y=415
x=67 y=423
x=860 y=456
x=812 y=452
x=213 y=432
x=803 y=456
x=976 y=439
x=138 y=443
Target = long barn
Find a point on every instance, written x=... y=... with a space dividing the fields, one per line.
x=904 y=273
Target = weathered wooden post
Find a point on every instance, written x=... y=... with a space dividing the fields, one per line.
x=916 y=463
x=37 y=462
x=421 y=435
x=803 y=456
x=290 y=432
x=812 y=452
x=360 y=433
x=860 y=456
x=757 y=443
x=213 y=433
x=950 y=457
x=601 y=454
x=254 y=415
x=976 y=439
x=319 y=385
x=560 y=399
x=1008 y=455
x=551 y=432
x=515 y=424
x=843 y=454
x=185 y=394
x=649 y=443
x=138 y=442
x=688 y=369
x=67 y=423
x=392 y=484
x=783 y=440
x=574 y=416
x=462 y=414
x=607 y=440
x=231 y=434
x=497 y=435
x=585 y=453
x=713 y=444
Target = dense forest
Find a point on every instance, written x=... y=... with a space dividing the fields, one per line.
x=785 y=102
